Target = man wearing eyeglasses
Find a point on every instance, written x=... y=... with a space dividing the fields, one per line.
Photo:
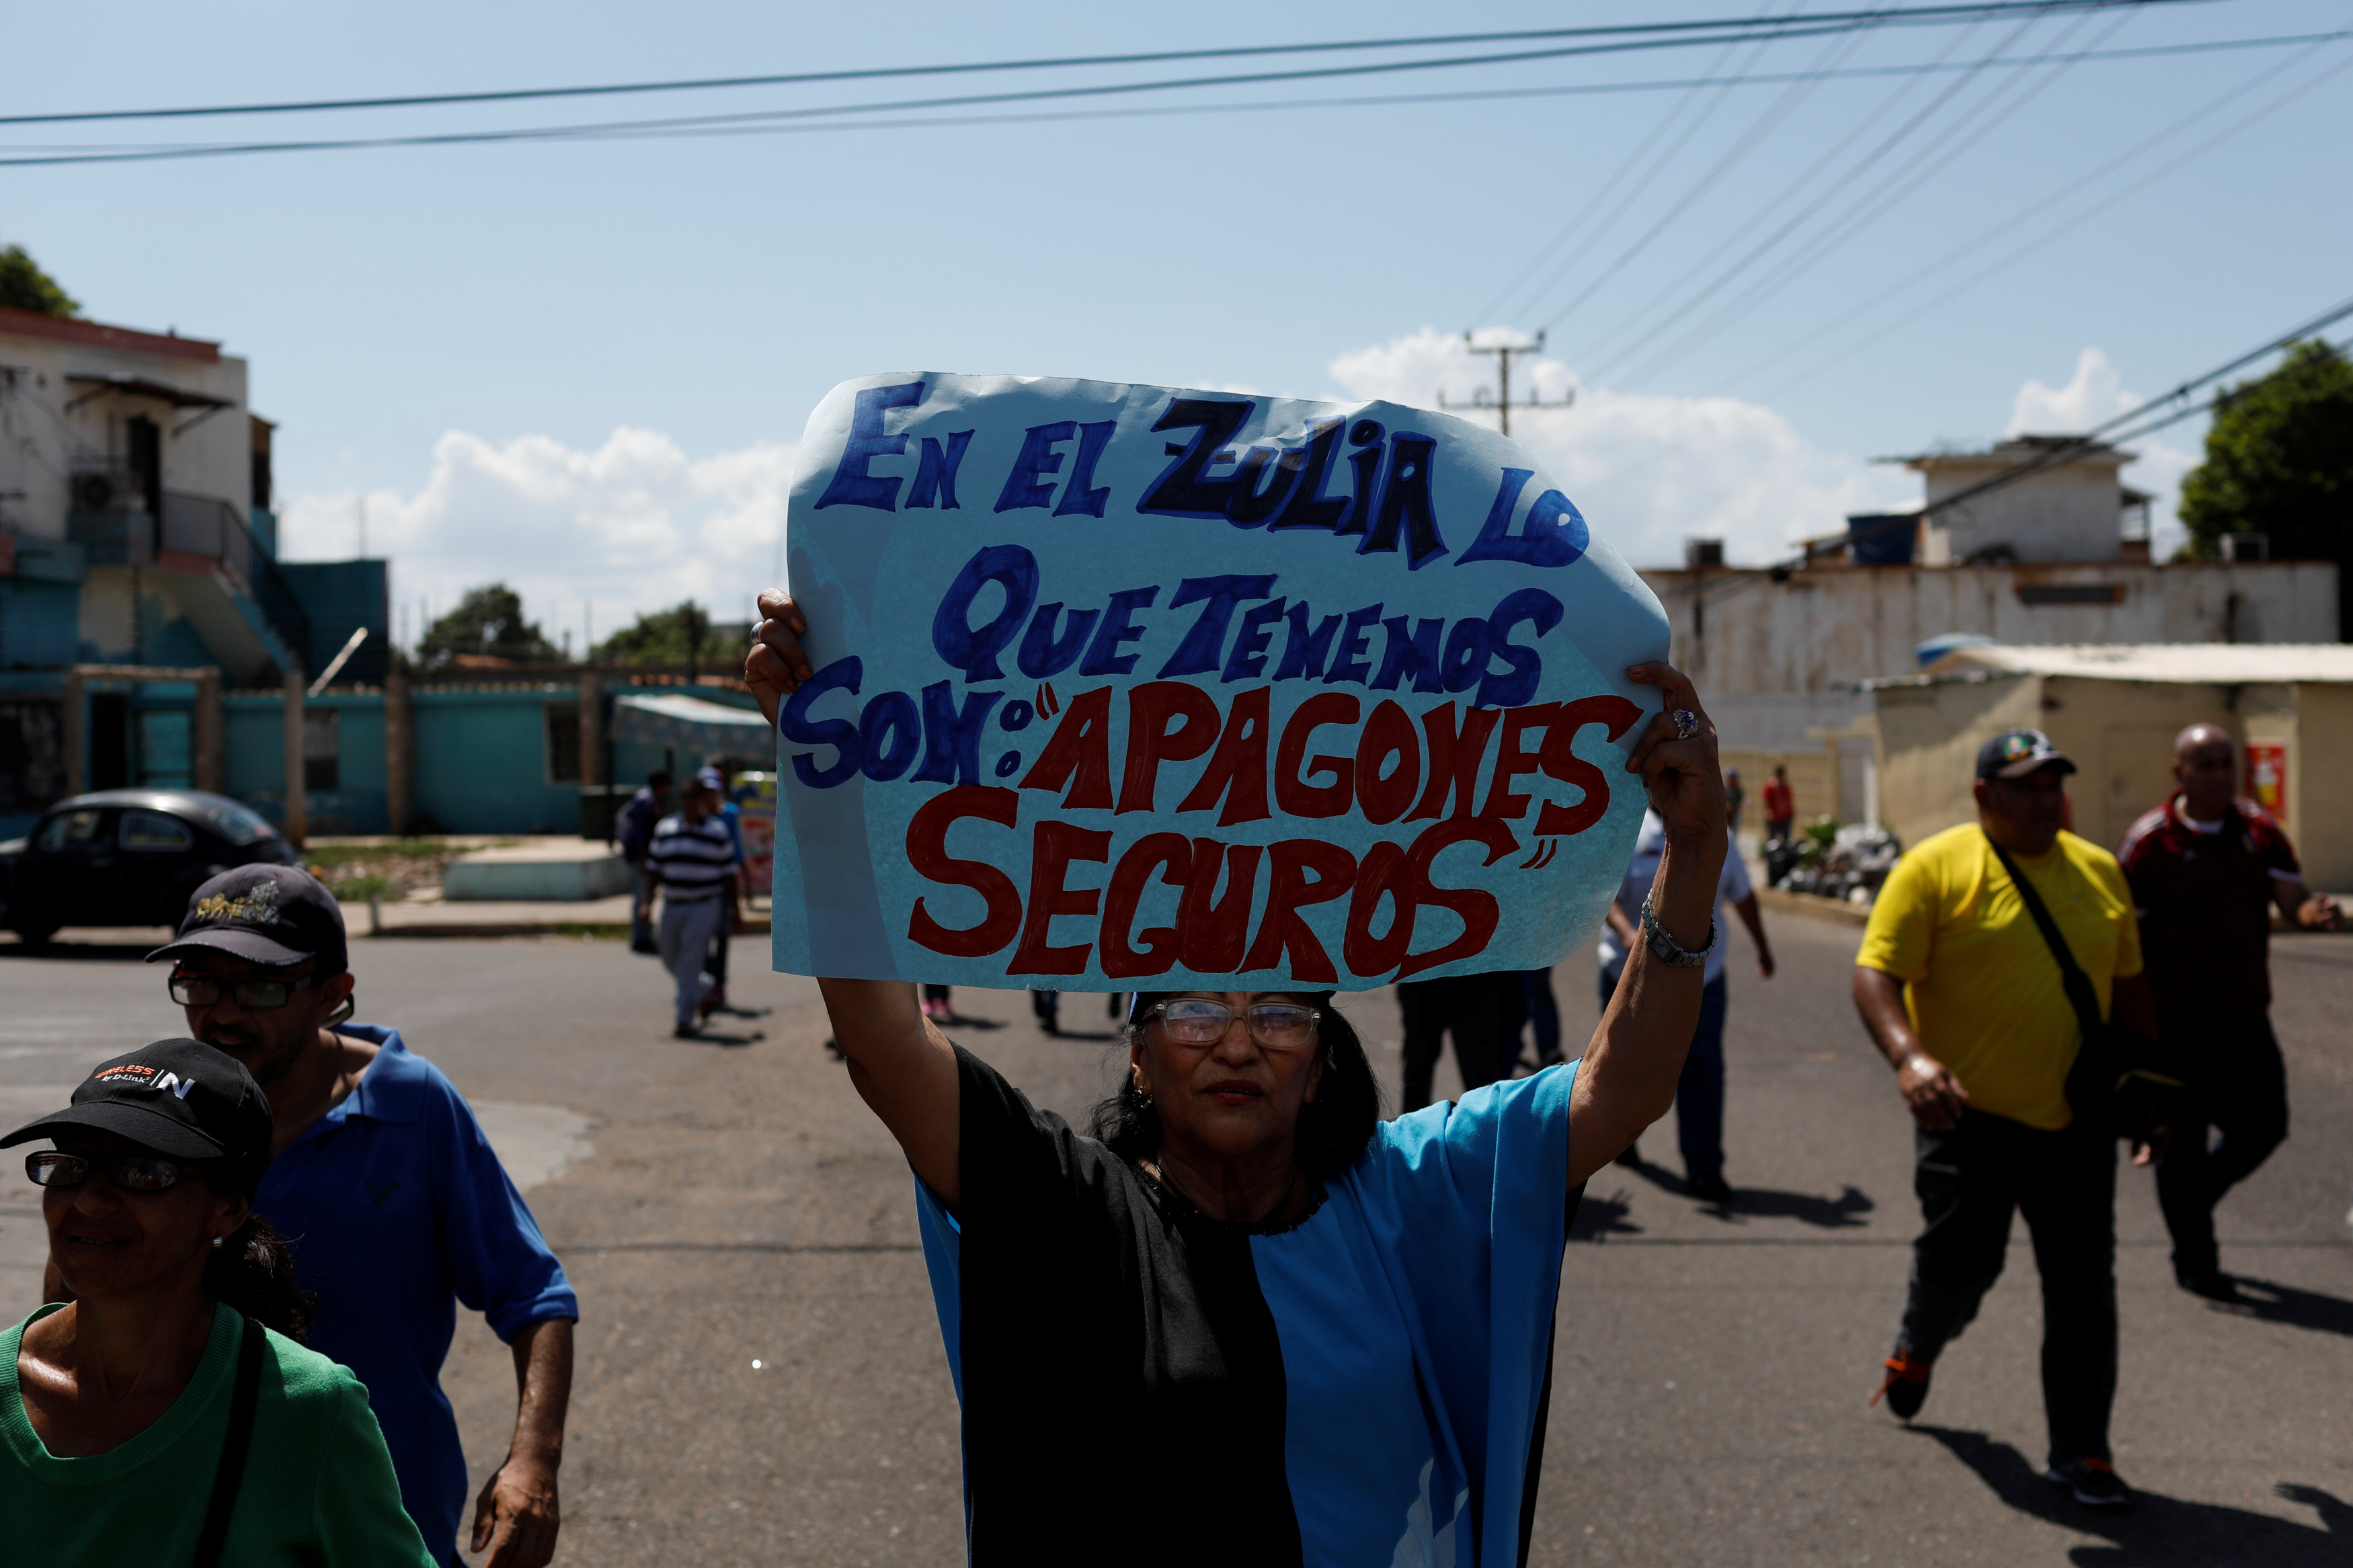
x=396 y=1206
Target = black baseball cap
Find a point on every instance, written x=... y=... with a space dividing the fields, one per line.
x=2014 y=753
x=180 y=1098
x=266 y=914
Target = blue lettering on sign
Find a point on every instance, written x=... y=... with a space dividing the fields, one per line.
x=1411 y=654
x=1405 y=499
x=1082 y=497
x=1042 y=653
x=1181 y=491
x=974 y=649
x=1199 y=652
x=1249 y=658
x=797 y=727
x=952 y=735
x=1103 y=656
x=1309 y=506
x=852 y=484
x=1026 y=486
x=1536 y=608
x=1348 y=661
x=936 y=471
x=1554 y=534
x=1303 y=652
x=890 y=733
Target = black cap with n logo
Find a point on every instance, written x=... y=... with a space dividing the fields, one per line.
x=182 y=1098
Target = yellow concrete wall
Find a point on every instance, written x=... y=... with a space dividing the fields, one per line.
x=2268 y=712
x=1812 y=787
x=1928 y=741
x=2320 y=785
x=2120 y=734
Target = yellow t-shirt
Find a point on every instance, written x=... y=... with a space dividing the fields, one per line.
x=1982 y=984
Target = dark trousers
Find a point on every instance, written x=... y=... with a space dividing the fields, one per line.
x=2239 y=1091
x=716 y=965
x=1537 y=1007
x=1699 y=1092
x=1970 y=1179
x=1480 y=1011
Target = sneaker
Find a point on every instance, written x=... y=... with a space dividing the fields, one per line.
x=2094 y=1482
x=1710 y=1189
x=2214 y=1285
x=1632 y=1157
x=683 y=1030
x=1907 y=1388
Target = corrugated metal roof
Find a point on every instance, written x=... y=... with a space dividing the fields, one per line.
x=2204 y=664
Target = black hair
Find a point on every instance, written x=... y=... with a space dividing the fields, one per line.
x=658 y=778
x=1334 y=1127
x=253 y=1268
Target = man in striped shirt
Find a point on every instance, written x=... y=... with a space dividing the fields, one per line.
x=693 y=860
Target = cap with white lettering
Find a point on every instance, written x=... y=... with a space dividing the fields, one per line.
x=183 y=1099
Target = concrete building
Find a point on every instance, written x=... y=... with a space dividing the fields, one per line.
x=2116 y=712
x=139 y=577
x=2059 y=557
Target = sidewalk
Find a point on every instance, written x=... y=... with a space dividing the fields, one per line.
x=479 y=917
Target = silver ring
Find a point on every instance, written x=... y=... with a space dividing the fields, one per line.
x=1686 y=723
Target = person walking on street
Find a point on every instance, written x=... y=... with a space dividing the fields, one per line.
x=2206 y=868
x=1967 y=998
x=936 y=1005
x=692 y=861
x=730 y=817
x=396 y=1205
x=167 y=1411
x=1699 y=1092
x=1781 y=805
x=633 y=831
x=1733 y=798
x=1482 y=1012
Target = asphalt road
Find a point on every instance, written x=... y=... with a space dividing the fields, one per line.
x=726 y=1203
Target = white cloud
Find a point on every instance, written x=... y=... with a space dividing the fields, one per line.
x=634 y=525
x=2096 y=395
x=1648 y=471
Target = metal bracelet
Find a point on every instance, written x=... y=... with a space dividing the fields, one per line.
x=1666 y=948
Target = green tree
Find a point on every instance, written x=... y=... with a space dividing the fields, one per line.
x=2279 y=462
x=680 y=635
x=25 y=287
x=488 y=620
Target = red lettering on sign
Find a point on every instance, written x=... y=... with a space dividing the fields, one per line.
x=1080 y=754
x=1053 y=846
x=1238 y=769
x=1303 y=872
x=1211 y=933
x=1151 y=742
x=1151 y=853
x=1454 y=758
x=1615 y=715
x=1390 y=732
x=1364 y=953
x=1403 y=877
x=1292 y=792
x=1511 y=760
x=927 y=837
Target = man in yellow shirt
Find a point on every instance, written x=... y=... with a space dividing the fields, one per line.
x=1965 y=999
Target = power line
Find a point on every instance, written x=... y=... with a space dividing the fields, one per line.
x=1872 y=207
x=2074 y=221
x=1916 y=15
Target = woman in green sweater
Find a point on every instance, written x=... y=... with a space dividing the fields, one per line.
x=169 y=1414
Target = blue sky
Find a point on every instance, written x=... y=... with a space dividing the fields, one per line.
x=582 y=366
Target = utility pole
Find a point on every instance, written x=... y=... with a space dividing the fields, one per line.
x=1504 y=404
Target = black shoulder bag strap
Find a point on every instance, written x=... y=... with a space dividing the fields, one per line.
x=231 y=1473
x=2078 y=985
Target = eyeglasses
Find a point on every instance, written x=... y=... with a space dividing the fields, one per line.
x=261 y=995
x=129 y=1173
x=1197 y=1021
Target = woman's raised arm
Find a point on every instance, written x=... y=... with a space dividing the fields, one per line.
x=903 y=1068
x=1628 y=1078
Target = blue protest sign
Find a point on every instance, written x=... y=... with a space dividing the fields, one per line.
x=1123 y=685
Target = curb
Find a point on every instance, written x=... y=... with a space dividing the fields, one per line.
x=1814 y=904
x=616 y=929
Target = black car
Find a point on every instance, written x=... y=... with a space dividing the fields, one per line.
x=129 y=857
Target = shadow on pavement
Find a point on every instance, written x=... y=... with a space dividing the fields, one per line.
x=2285 y=1304
x=2162 y=1530
x=1596 y=1220
x=966 y=1021
x=1842 y=1213
x=710 y=1037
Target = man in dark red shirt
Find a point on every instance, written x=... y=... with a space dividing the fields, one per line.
x=2206 y=868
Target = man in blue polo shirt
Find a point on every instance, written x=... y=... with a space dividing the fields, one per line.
x=396 y=1207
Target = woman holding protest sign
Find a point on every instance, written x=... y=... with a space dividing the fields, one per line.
x=1248 y=1321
